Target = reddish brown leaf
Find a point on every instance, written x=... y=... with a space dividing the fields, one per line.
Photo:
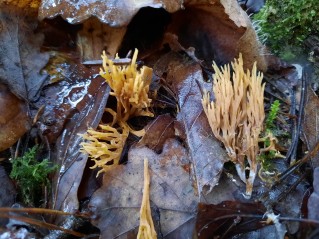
x=14 y=119
x=157 y=132
x=218 y=31
x=225 y=220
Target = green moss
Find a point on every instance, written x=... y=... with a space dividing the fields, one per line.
x=31 y=175
x=272 y=115
x=287 y=22
x=266 y=158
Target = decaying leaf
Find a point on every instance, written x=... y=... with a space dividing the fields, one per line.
x=219 y=31
x=186 y=80
x=313 y=202
x=20 y=57
x=96 y=36
x=14 y=119
x=157 y=132
x=73 y=105
x=212 y=220
x=311 y=123
x=113 y=13
x=115 y=206
x=25 y=4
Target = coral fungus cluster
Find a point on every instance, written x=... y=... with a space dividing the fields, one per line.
x=236 y=115
x=130 y=87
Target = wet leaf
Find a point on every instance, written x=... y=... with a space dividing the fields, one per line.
x=311 y=123
x=20 y=57
x=14 y=119
x=225 y=219
x=113 y=13
x=115 y=206
x=73 y=104
x=186 y=80
x=90 y=99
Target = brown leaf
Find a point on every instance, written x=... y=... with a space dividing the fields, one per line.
x=311 y=123
x=20 y=57
x=212 y=220
x=74 y=104
x=218 y=31
x=96 y=37
x=157 y=132
x=186 y=80
x=115 y=206
x=113 y=13
x=14 y=119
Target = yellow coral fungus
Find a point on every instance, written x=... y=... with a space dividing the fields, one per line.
x=104 y=146
x=237 y=114
x=129 y=85
x=146 y=229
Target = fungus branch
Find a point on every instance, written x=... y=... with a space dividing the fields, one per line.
x=236 y=115
x=130 y=86
x=146 y=229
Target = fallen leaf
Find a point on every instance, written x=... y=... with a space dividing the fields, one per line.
x=73 y=105
x=14 y=119
x=20 y=57
x=67 y=152
x=225 y=219
x=157 y=132
x=311 y=123
x=96 y=37
x=113 y=13
x=115 y=206
x=218 y=31
x=313 y=202
x=27 y=5
x=186 y=81
x=7 y=193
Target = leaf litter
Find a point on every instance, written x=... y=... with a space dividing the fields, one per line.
x=186 y=162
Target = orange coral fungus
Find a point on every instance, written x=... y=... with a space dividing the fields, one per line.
x=236 y=115
x=129 y=85
x=146 y=229
x=104 y=146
